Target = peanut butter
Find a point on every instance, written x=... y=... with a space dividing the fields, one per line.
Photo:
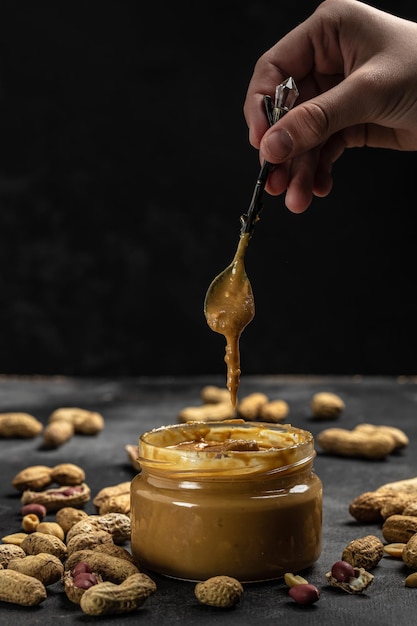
x=229 y=307
x=238 y=499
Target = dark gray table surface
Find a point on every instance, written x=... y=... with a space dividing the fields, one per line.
x=132 y=406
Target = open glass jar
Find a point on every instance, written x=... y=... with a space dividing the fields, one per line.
x=228 y=498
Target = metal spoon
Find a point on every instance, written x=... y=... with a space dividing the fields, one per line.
x=229 y=304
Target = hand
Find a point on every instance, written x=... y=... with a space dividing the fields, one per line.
x=356 y=70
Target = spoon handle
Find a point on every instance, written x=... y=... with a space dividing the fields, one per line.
x=286 y=94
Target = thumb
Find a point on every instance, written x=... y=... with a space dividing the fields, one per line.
x=311 y=123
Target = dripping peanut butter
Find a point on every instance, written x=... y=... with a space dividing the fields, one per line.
x=232 y=498
x=229 y=307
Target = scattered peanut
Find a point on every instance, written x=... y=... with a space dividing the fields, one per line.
x=108 y=598
x=210 y=394
x=399 y=528
x=132 y=451
x=207 y=412
x=304 y=593
x=36 y=509
x=21 y=589
x=67 y=516
x=249 y=408
x=9 y=551
x=367 y=507
x=67 y=474
x=44 y=566
x=353 y=443
x=364 y=552
x=401 y=440
x=409 y=554
x=394 y=550
x=340 y=577
x=54 y=499
x=88 y=541
x=112 y=493
x=15 y=538
x=30 y=522
x=326 y=405
x=34 y=477
x=57 y=433
x=85 y=422
x=110 y=567
x=220 y=591
x=39 y=542
x=22 y=425
x=411 y=580
x=292 y=579
x=274 y=411
x=51 y=528
x=117 y=524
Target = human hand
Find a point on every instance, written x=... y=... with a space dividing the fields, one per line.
x=356 y=70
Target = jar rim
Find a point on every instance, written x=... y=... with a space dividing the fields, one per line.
x=283 y=448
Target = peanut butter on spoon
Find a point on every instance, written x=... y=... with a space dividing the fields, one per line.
x=229 y=307
x=229 y=304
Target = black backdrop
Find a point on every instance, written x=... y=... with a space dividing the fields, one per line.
x=124 y=168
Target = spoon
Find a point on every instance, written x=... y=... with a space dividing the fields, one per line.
x=229 y=305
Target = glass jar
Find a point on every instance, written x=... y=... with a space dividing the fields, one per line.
x=228 y=498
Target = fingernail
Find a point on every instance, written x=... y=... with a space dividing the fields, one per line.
x=279 y=144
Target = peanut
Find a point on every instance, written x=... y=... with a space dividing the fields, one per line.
x=113 y=568
x=45 y=567
x=400 y=438
x=51 y=528
x=9 y=551
x=410 y=508
x=85 y=422
x=274 y=411
x=411 y=580
x=367 y=507
x=88 y=541
x=132 y=455
x=249 y=408
x=221 y=591
x=394 y=550
x=365 y=552
x=57 y=433
x=327 y=405
x=54 y=499
x=21 y=589
x=15 y=538
x=34 y=477
x=68 y=474
x=36 y=509
x=291 y=580
x=39 y=542
x=117 y=524
x=30 y=522
x=68 y=516
x=304 y=594
x=109 y=492
x=210 y=394
x=108 y=598
x=399 y=528
x=21 y=425
x=409 y=554
x=352 y=443
x=207 y=412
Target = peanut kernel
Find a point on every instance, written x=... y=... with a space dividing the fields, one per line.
x=394 y=549
x=30 y=522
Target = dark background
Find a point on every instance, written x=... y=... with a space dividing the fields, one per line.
x=124 y=168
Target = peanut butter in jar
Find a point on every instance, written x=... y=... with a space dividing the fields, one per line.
x=228 y=498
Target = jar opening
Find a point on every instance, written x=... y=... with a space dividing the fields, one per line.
x=234 y=447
